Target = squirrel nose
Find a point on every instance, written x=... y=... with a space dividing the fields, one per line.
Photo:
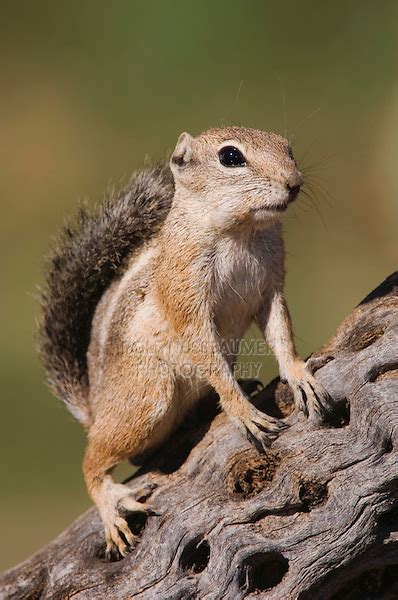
x=293 y=184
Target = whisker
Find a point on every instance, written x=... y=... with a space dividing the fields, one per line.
x=237 y=102
x=306 y=151
x=316 y=207
x=320 y=189
x=283 y=103
x=316 y=164
x=316 y=195
x=311 y=114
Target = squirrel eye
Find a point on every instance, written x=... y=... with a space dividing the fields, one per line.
x=231 y=157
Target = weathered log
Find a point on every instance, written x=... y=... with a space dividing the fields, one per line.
x=316 y=517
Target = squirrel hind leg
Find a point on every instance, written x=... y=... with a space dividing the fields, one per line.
x=125 y=425
x=114 y=502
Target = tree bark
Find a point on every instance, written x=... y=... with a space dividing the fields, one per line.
x=315 y=517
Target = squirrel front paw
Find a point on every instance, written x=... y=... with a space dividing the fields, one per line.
x=309 y=395
x=261 y=429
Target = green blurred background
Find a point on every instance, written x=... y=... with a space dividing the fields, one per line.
x=89 y=89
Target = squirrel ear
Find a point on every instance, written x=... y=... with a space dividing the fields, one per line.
x=183 y=151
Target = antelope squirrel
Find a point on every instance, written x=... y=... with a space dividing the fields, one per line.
x=141 y=295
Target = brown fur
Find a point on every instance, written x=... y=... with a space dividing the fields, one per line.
x=88 y=255
x=215 y=266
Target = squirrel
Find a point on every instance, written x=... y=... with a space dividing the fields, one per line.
x=141 y=296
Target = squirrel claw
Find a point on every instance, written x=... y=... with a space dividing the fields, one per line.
x=115 y=552
x=310 y=396
x=112 y=552
x=261 y=443
x=120 y=540
x=314 y=363
x=152 y=513
x=261 y=429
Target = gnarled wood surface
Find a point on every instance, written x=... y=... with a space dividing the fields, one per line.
x=316 y=517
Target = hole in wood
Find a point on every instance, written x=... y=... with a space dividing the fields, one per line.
x=188 y=594
x=388 y=445
x=195 y=555
x=363 y=337
x=312 y=493
x=262 y=571
x=136 y=522
x=375 y=584
x=388 y=370
x=340 y=416
x=251 y=473
x=389 y=519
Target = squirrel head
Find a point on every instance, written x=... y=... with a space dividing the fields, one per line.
x=235 y=175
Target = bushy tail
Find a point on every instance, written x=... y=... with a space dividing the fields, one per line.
x=86 y=257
